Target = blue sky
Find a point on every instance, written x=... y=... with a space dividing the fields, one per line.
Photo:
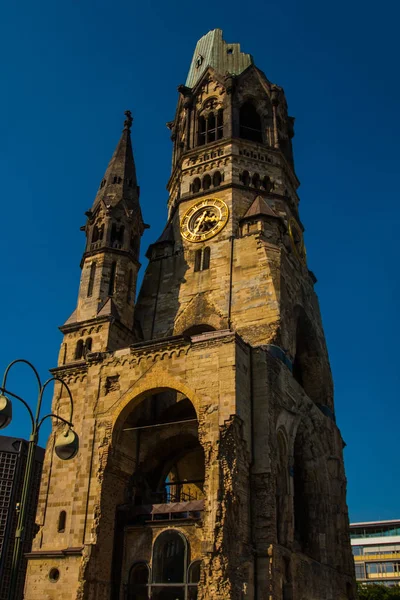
x=68 y=72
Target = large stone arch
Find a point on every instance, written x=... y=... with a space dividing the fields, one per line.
x=311 y=366
x=151 y=383
x=311 y=486
x=124 y=482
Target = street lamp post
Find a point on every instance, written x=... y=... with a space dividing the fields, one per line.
x=66 y=447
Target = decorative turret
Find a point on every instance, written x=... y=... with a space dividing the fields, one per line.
x=110 y=263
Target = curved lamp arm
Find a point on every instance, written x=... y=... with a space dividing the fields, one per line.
x=7 y=393
x=46 y=383
x=69 y=423
x=21 y=360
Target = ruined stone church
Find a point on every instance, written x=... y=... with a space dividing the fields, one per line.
x=210 y=464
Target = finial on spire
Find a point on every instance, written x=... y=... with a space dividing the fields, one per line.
x=128 y=121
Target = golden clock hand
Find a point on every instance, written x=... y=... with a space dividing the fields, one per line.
x=200 y=222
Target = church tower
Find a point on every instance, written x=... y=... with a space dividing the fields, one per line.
x=210 y=464
x=104 y=316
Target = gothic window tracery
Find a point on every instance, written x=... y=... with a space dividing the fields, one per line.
x=210 y=123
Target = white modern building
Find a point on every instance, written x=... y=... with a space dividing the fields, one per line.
x=376 y=550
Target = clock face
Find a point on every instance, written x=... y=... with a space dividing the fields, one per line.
x=296 y=237
x=204 y=219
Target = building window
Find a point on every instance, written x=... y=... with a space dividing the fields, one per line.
x=171 y=577
x=196 y=185
x=360 y=571
x=217 y=178
x=61 y=521
x=245 y=178
x=210 y=127
x=266 y=183
x=88 y=345
x=117 y=236
x=91 y=279
x=79 y=350
x=202 y=259
x=139 y=576
x=111 y=284
x=250 y=123
x=97 y=233
x=206 y=182
x=255 y=180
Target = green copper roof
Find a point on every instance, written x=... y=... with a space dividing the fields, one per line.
x=212 y=51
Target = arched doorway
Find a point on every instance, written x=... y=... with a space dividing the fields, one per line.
x=165 y=469
x=172 y=576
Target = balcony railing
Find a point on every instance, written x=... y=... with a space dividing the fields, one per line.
x=383 y=556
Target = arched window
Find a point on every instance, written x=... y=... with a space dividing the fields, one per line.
x=170 y=558
x=95 y=234
x=202 y=259
x=217 y=178
x=206 y=258
x=194 y=572
x=129 y=290
x=196 y=185
x=310 y=367
x=111 y=283
x=88 y=345
x=197 y=260
x=210 y=128
x=91 y=278
x=206 y=182
x=61 y=521
x=302 y=521
x=201 y=138
x=79 y=349
x=255 y=180
x=266 y=183
x=246 y=178
x=117 y=235
x=250 y=123
x=138 y=581
x=282 y=490
x=220 y=124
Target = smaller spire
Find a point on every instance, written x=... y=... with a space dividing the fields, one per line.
x=128 y=121
x=119 y=181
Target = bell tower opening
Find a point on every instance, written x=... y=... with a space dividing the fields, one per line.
x=250 y=123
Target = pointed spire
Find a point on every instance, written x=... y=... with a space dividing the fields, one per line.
x=120 y=181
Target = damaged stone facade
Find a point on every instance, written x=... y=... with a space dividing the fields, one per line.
x=210 y=464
